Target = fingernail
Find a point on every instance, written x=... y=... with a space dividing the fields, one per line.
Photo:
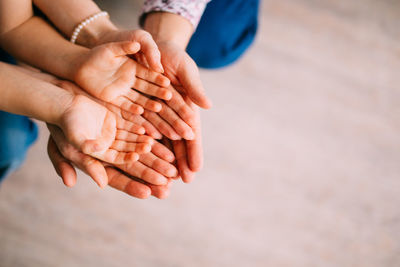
x=142 y=130
x=161 y=180
x=189 y=135
x=146 y=148
x=172 y=172
x=157 y=135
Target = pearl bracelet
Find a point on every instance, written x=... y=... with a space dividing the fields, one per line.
x=81 y=25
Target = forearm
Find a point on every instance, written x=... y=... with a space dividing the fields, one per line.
x=37 y=43
x=22 y=94
x=21 y=11
x=67 y=14
x=168 y=27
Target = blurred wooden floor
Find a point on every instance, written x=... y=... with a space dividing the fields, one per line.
x=302 y=153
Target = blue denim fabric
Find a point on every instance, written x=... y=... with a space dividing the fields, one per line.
x=226 y=29
x=17 y=134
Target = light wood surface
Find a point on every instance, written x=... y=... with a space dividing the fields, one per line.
x=302 y=161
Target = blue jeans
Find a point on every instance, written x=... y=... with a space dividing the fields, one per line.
x=17 y=134
x=226 y=30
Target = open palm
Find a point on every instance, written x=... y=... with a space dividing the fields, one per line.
x=98 y=132
x=111 y=76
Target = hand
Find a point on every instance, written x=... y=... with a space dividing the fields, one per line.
x=96 y=131
x=108 y=74
x=148 y=54
x=63 y=155
x=183 y=72
x=178 y=65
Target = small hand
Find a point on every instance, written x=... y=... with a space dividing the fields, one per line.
x=96 y=131
x=110 y=75
x=149 y=54
x=176 y=118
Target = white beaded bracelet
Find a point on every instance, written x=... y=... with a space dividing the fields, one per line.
x=81 y=25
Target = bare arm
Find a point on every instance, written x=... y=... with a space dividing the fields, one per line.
x=67 y=14
x=22 y=94
x=38 y=44
x=21 y=11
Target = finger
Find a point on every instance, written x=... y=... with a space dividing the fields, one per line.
x=161 y=166
x=131 y=137
x=176 y=122
x=144 y=101
x=128 y=125
x=161 y=191
x=150 y=50
x=189 y=77
x=162 y=151
x=181 y=159
x=139 y=57
x=122 y=183
x=123 y=48
x=194 y=147
x=87 y=164
x=147 y=87
x=141 y=171
x=161 y=125
x=116 y=157
x=152 y=76
x=179 y=105
x=123 y=146
x=126 y=104
x=62 y=166
x=140 y=120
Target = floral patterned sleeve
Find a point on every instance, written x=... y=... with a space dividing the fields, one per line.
x=189 y=9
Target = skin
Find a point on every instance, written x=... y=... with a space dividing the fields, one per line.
x=64 y=157
x=105 y=72
x=87 y=125
x=171 y=33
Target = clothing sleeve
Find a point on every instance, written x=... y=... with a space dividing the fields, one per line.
x=192 y=10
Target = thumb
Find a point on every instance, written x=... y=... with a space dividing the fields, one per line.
x=124 y=48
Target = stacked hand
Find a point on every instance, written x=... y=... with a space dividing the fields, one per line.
x=123 y=96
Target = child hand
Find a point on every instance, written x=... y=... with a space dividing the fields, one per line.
x=98 y=132
x=110 y=75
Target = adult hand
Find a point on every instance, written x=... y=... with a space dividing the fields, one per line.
x=189 y=153
x=63 y=156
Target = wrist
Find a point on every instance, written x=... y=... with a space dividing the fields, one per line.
x=76 y=62
x=92 y=34
x=168 y=28
x=61 y=103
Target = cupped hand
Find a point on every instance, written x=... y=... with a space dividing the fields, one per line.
x=64 y=156
x=148 y=54
x=98 y=132
x=183 y=72
x=110 y=75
